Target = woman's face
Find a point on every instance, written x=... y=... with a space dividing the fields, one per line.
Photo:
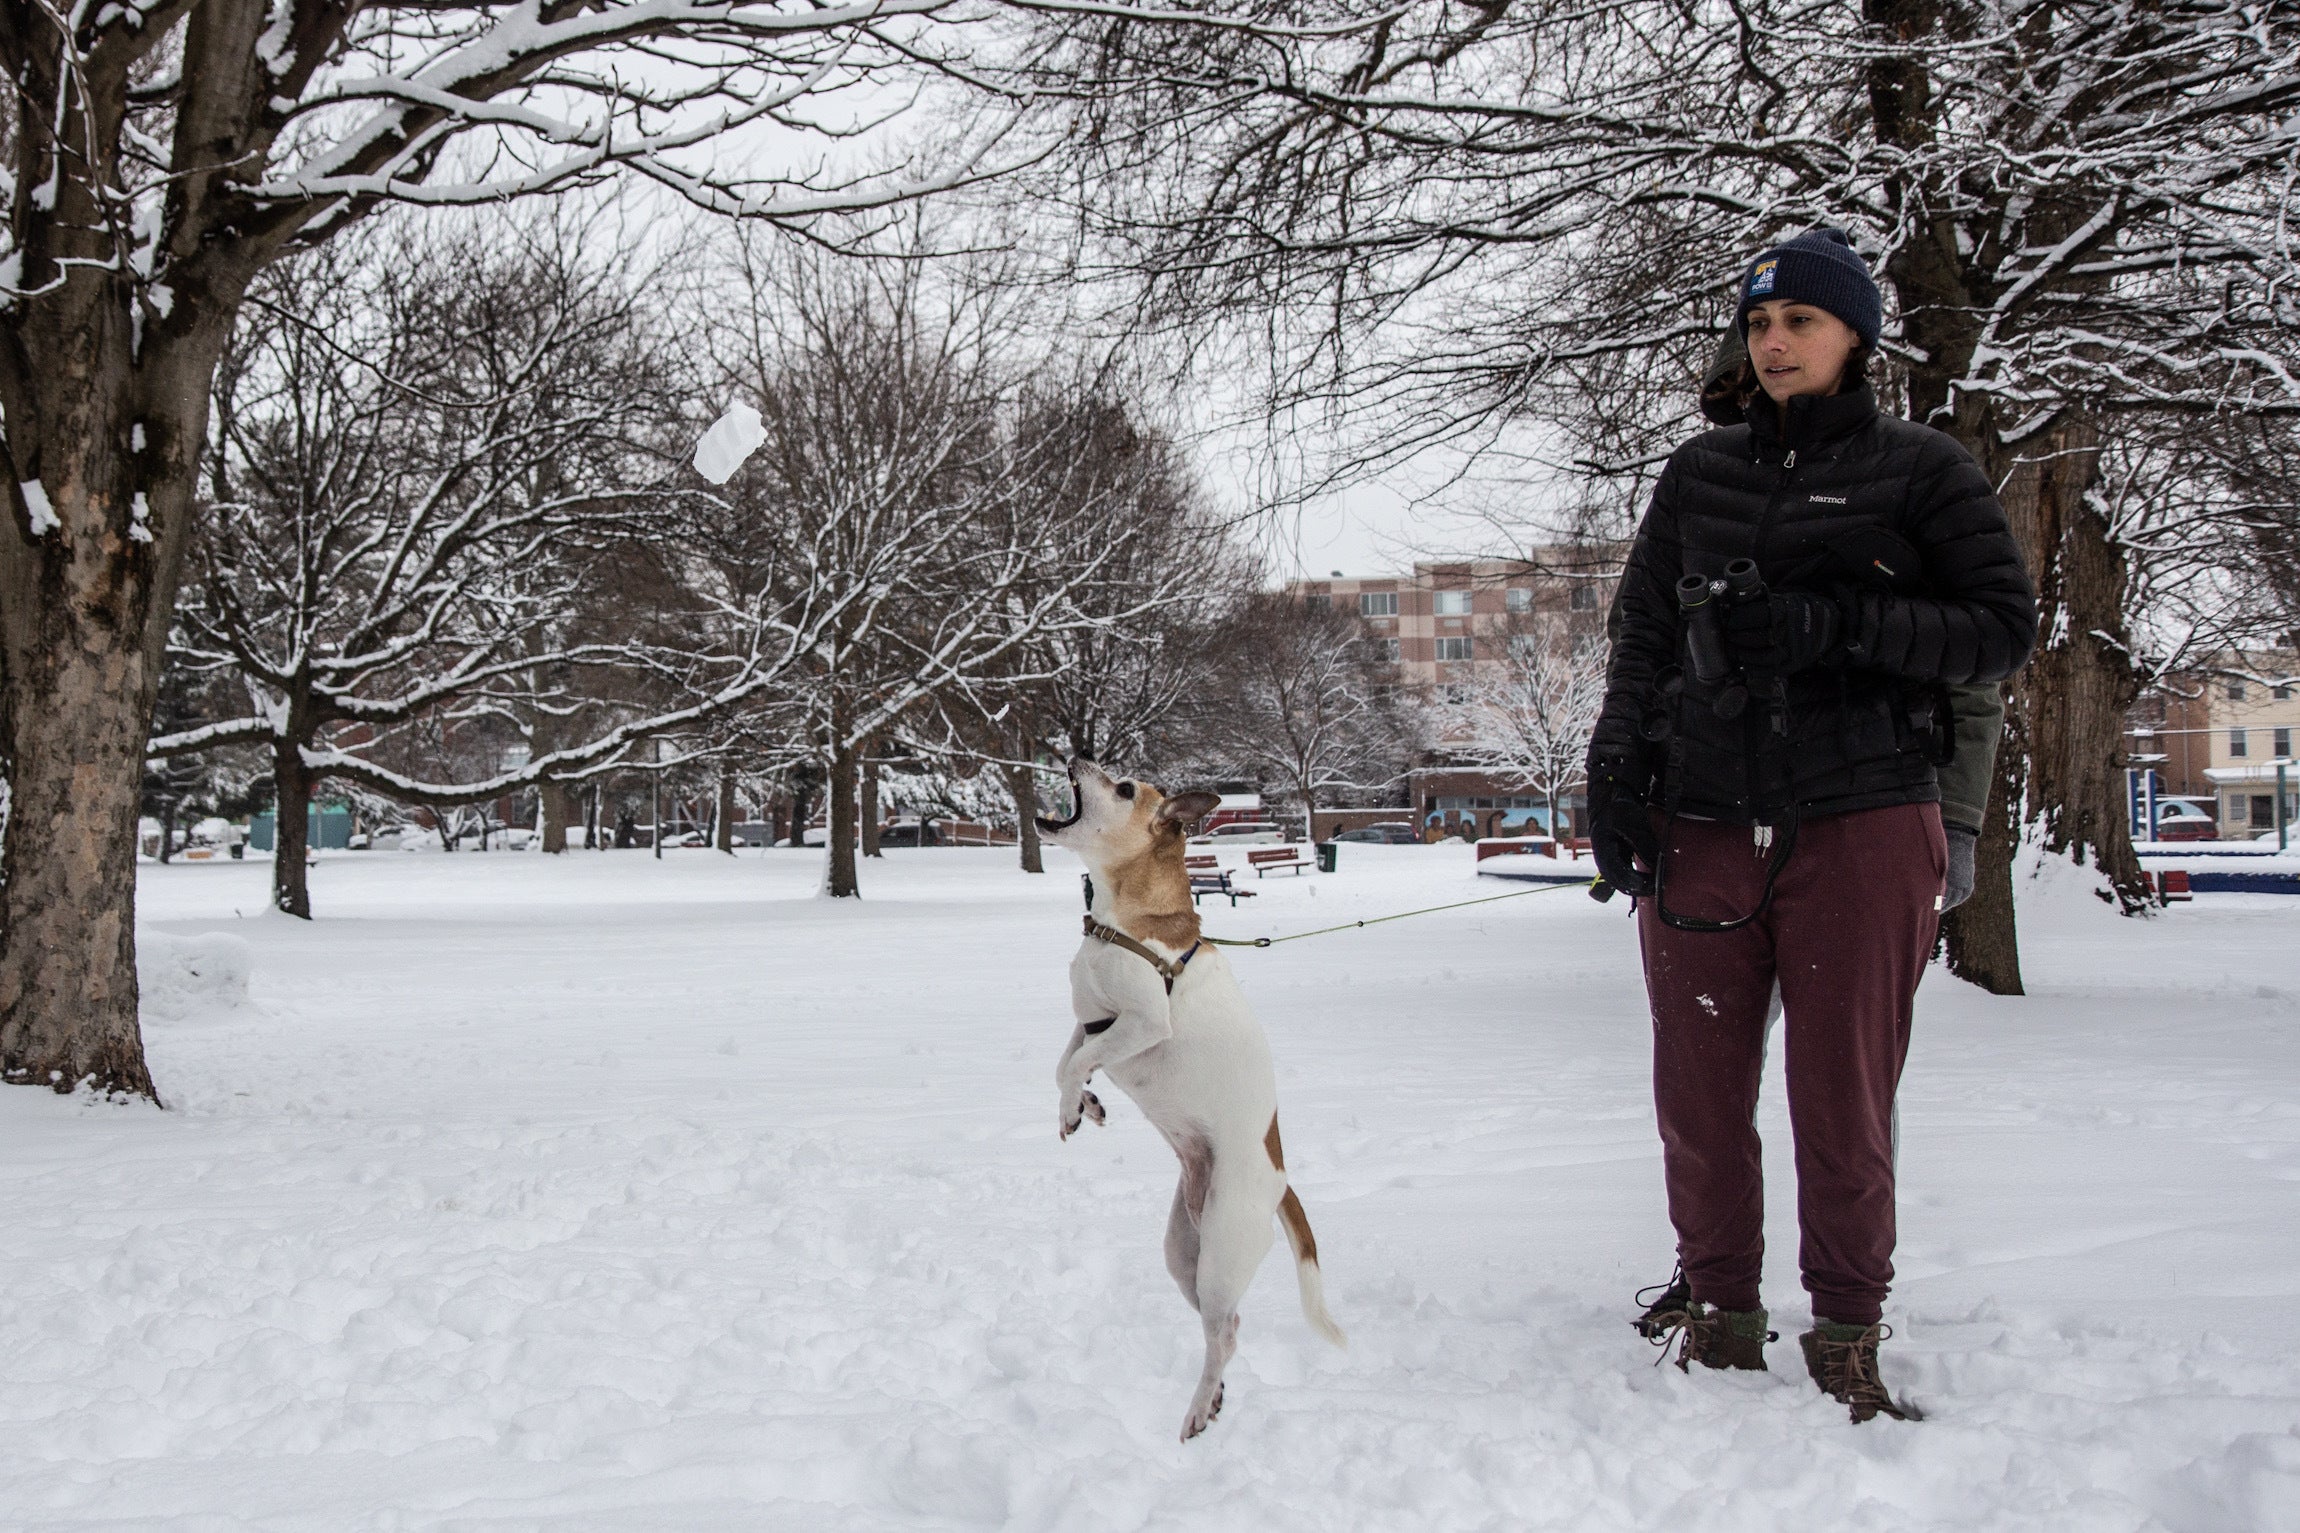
x=1798 y=349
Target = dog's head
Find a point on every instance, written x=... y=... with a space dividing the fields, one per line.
x=1116 y=819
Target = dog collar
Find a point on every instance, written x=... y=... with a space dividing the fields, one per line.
x=1168 y=972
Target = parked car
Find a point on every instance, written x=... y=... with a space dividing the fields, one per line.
x=909 y=833
x=1382 y=833
x=1242 y=833
x=2186 y=819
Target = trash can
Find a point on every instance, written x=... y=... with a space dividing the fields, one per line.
x=1326 y=850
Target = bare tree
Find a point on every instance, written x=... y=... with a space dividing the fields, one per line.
x=1306 y=700
x=895 y=496
x=1105 y=492
x=1529 y=712
x=423 y=455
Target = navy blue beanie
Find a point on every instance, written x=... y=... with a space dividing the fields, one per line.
x=1819 y=267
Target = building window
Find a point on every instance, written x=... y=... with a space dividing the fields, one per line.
x=1456 y=648
x=2263 y=808
x=1377 y=604
x=1520 y=599
x=2236 y=689
x=2283 y=742
x=2235 y=814
x=2237 y=744
x=1454 y=692
x=2283 y=691
x=1453 y=603
x=1585 y=598
x=1317 y=601
x=1525 y=645
x=1386 y=649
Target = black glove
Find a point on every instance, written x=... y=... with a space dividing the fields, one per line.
x=1957 y=886
x=1787 y=632
x=1621 y=825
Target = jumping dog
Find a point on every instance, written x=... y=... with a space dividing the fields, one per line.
x=1161 y=1014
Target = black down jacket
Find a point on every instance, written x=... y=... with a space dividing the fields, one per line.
x=1811 y=501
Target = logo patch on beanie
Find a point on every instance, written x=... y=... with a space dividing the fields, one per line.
x=1761 y=277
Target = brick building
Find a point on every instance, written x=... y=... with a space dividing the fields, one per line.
x=1443 y=621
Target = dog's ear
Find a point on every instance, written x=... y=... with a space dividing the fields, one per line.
x=1186 y=809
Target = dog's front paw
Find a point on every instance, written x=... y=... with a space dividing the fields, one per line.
x=1087 y=1106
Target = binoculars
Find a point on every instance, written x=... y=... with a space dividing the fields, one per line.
x=1702 y=600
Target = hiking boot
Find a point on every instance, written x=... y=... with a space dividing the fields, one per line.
x=1714 y=1338
x=1843 y=1360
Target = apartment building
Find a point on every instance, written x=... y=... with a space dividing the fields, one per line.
x=1443 y=621
x=1440 y=621
x=2221 y=734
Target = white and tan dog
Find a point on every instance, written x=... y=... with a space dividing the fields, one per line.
x=1160 y=1012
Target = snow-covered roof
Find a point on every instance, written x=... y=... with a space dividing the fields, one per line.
x=2259 y=771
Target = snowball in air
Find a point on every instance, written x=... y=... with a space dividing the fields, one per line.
x=729 y=443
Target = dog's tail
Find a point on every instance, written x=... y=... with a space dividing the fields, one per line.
x=1305 y=1247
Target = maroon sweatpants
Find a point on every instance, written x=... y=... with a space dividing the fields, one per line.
x=1847 y=935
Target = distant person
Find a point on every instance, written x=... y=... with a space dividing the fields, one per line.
x=1765 y=780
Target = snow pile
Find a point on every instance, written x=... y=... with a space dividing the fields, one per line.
x=729 y=443
x=192 y=979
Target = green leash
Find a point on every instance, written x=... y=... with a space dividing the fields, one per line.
x=1514 y=894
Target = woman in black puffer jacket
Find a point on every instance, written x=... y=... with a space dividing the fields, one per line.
x=1764 y=779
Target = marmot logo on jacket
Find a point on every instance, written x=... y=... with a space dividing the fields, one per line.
x=1827 y=500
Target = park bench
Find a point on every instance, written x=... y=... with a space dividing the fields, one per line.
x=1208 y=876
x=1265 y=859
x=2172 y=884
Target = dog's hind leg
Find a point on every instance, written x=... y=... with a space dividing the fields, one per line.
x=1234 y=1235
x=1182 y=1246
x=1197 y=1159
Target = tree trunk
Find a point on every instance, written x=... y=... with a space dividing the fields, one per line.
x=1020 y=781
x=1981 y=936
x=67 y=952
x=291 y=834
x=562 y=807
x=167 y=831
x=726 y=827
x=839 y=876
x=2073 y=698
x=99 y=460
x=870 y=825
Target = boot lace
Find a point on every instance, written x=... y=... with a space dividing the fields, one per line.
x=1687 y=1328
x=1849 y=1373
x=1666 y=1309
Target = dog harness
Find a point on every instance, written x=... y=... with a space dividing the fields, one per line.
x=1169 y=972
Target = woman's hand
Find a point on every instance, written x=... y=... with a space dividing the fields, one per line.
x=1784 y=633
x=1621 y=824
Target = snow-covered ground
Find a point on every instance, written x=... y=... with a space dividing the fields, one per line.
x=598 y=1192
